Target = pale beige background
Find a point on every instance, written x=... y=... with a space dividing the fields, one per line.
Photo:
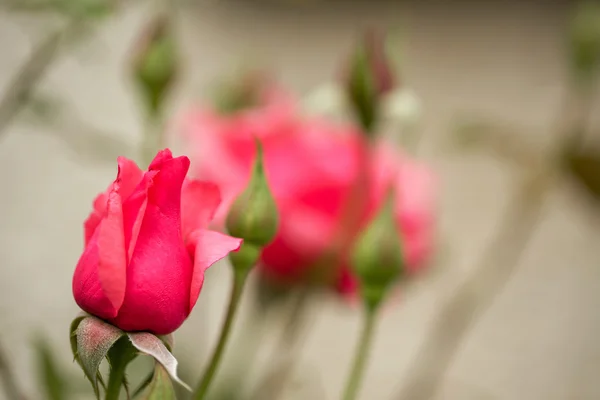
x=539 y=341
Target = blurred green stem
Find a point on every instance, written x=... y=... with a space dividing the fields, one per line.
x=361 y=355
x=153 y=139
x=477 y=293
x=9 y=383
x=246 y=350
x=273 y=384
x=502 y=256
x=237 y=289
x=29 y=75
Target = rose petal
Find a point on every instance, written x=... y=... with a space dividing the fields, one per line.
x=111 y=251
x=133 y=212
x=160 y=270
x=128 y=177
x=208 y=247
x=199 y=201
x=161 y=157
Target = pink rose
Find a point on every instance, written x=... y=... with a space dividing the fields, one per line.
x=312 y=167
x=147 y=246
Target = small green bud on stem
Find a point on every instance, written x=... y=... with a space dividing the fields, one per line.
x=378 y=259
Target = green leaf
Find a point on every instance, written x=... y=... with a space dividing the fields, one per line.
x=153 y=346
x=94 y=339
x=51 y=380
x=160 y=387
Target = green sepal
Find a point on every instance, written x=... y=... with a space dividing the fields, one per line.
x=93 y=340
x=159 y=387
x=152 y=345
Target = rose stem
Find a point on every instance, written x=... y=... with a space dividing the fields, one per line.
x=234 y=300
x=360 y=356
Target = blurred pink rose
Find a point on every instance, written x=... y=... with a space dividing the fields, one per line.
x=313 y=167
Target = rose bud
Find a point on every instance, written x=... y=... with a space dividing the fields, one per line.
x=377 y=258
x=155 y=63
x=368 y=78
x=253 y=216
x=584 y=40
x=147 y=246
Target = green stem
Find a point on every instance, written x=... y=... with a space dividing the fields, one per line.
x=115 y=381
x=7 y=378
x=274 y=383
x=361 y=355
x=234 y=300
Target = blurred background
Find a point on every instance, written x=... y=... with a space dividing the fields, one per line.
x=495 y=84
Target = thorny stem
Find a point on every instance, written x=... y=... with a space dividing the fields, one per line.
x=234 y=300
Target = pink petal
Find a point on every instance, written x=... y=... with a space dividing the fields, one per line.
x=99 y=278
x=133 y=211
x=160 y=269
x=87 y=290
x=90 y=225
x=208 y=247
x=161 y=157
x=112 y=255
x=92 y=222
x=128 y=177
x=199 y=201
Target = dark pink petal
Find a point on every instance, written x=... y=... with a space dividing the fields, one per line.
x=199 y=201
x=208 y=247
x=133 y=211
x=160 y=270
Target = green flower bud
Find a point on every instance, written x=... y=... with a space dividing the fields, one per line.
x=155 y=63
x=378 y=260
x=584 y=40
x=253 y=215
x=240 y=92
x=369 y=79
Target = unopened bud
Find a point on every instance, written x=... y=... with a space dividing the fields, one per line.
x=240 y=92
x=378 y=259
x=585 y=40
x=369 y=78
x=155 y=63
x=253 y=215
